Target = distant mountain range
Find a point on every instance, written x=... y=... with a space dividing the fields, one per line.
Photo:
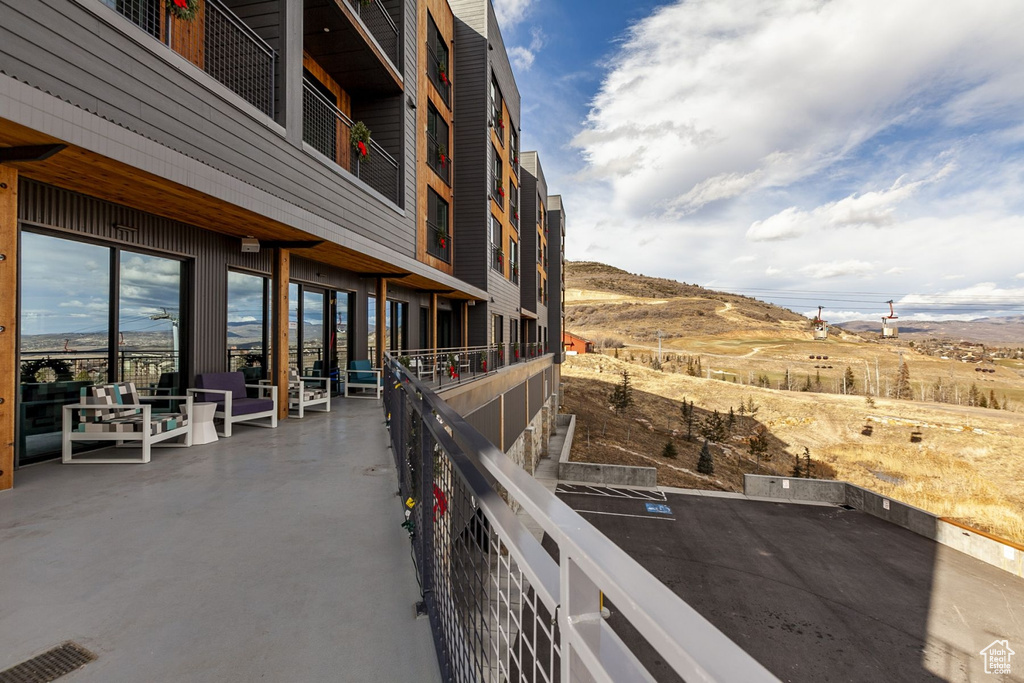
x=1006 y=331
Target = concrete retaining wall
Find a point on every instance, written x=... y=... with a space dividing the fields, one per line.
x=1005 y=555
x=594 y=473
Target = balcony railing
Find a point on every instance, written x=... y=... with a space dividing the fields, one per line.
x=438 y=159
x=498 y=259
x=439 y=243
x=375 y=17
x=513 y=211
x=328 y=130
x=513 y=272
x=497 y=192
x=501 y=607
x=439 y=75
x=216 y=41
x=443 y=367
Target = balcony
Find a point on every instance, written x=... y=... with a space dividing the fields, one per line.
x=439 y=242
x=382 y=27
x=498 y=192
x=498 y=260
x=439 y=75
x=216 y=41
x=438 y=159
x=328 y=130
x=259 y=557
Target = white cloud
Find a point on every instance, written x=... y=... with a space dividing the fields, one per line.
x=522 y=57
x=981 y=294
x=511 y=12
x=713 y=99
x=1019 y=276
x=821 y=271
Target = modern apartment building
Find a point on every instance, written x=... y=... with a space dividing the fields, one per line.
x=555 y=232
x=535 y=245
x=255 y=185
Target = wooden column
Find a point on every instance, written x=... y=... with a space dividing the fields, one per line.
x=465 y=324
x=282 y=273
x=432 y=333
x=382 y=321
x=8 y=320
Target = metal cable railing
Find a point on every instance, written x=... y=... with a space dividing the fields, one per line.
x=500 y=606
x=439 y=75
x=438 y=159
x=375 y=17
x=237 y=57
x=328 y=130
x=439 y=242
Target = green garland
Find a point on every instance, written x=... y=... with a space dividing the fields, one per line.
x=185 y=10
x=360 y=139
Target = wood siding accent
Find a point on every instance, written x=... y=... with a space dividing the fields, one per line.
x=9 y=321
x=343 y=148
x=380 y=331
x=188 y=38
x=427 y=94
x=279 y=287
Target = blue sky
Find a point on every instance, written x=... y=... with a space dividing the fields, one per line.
x=839 y=152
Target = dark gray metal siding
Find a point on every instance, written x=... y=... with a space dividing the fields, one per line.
x=487 y=421
x=535 y=391
x=515 y=414
x=63 y=48
x=556 y=219
x=470 y=142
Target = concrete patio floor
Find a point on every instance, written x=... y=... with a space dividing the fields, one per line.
x=274 y=555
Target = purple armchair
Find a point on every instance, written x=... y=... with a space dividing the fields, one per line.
x=228 y=391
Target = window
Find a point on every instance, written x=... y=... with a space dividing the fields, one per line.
x=513 y=260
x=248 y=324
x=497 y=178
x=437 y=61
x=437 y=144
x=513 y=150
x=497 y=114
x=439 y=240
x=513 y=203
x=498 y=256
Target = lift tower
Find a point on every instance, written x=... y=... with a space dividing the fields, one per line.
x=889 y=330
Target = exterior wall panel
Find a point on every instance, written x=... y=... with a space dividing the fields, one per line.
x=487 y=421
x=515 y=414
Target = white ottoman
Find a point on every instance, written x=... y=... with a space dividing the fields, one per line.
x=203 y=430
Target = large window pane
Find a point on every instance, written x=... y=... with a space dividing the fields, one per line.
x=371 y=327
x=65 y=340
x=293 y=325
x=246 y=325
x=149 y=315
x=312 y=334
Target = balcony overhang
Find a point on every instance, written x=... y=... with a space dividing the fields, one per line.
x=340 y=43
x=85 y=171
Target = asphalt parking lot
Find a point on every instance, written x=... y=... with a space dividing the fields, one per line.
x=819 y=593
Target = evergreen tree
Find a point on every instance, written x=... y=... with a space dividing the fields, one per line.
x=903 y=388
x=758 y=444
x=797 y=467
x=807 y=462
x=689 y=423
x=807 y=384
x=992 y=402
x=982 y=401
x=706 y=464
x=849 y=380
x=973 y=395
x=730 y=422
x=713 y=428
x=817 y=380
x=622 y=396
x=670 y=450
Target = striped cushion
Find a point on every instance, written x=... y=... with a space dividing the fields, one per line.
x=309 y=392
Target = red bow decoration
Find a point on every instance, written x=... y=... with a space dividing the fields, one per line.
x=484 y=367
x=443 y=159
x=443 y=243
x=183 y=4
x=440 y=502
x=444 y=78
x=501 y=191
x=362 y=148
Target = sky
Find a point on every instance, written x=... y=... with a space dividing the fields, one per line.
x=807 y=152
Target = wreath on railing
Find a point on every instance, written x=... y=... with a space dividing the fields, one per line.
x=500 y=121
x=185 y=10
x=360 y=138
x=500 y=256
x=442 y=237
x=442 y=155
x=61 y=369
x=442 y=72
x=515 y=269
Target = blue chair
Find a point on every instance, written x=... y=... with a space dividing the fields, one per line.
x=362 y=375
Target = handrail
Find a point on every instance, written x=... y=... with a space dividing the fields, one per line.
x=243 y=27
x=589 y=562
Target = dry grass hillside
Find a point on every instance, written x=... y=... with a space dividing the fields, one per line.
x=932 y=448
x=955 y=461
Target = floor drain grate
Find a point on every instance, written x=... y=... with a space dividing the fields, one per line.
x=49 y=666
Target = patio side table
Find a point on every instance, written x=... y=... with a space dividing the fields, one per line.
x=203 y=430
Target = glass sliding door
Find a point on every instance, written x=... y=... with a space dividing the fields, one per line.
x=248 y=320
x=312 y=361
x=91 y=314
x=149 y=322
x=65 y=335
x=342 y=337
x=293 y=325
x=371 y=328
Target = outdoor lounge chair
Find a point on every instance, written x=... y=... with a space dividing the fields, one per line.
x=306 y=392
x=362 y=375
x=116 y=412
x=227 y=390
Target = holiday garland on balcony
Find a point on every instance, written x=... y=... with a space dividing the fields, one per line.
x=441 y=235
x=442 y=155
x=442 y=71
x=500 y=256
x=360 y=137
x=183 y=9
